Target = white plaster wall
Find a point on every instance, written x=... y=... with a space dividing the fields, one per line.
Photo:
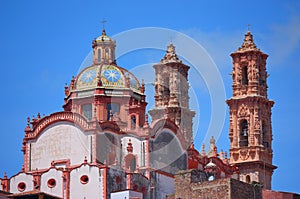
x=126 y=194
x=137 y=148
x=21 y=177
x=59 y=141
x=94 y=187
x=164 y=186
x=57 y=189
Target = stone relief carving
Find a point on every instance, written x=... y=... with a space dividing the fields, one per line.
x=244 y=154
x=244 y=111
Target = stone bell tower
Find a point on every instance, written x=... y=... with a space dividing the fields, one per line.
x=250 y=131
x=171 y=93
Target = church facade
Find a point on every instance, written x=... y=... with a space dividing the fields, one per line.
x=102 y=145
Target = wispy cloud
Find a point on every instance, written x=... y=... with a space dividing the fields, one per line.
x=283 y=39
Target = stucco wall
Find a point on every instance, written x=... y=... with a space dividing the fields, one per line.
x=92 y=189
x=21 y=178
x=56 y=190
x=57 y=142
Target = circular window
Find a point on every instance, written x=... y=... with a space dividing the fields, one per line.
x=51 y=183
x=21 y=186
x=84 y=179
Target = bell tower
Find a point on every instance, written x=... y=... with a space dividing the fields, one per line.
x=250 y=131
x=104 y=49
x=171 y=93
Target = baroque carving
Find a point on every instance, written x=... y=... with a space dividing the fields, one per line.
x=257 y=124
x=244 y=154
x=244 y=111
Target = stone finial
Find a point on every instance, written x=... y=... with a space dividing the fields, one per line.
x=248 y=43
x=212 y=142
x=203 y=153
x=221 y=155
x=39 y=115
x=5 y=176
x=143 y=86
x=28 y=129
x=215 y=154
x=127 y=81
x=72 y=82
x=67 y=90
x=99 y=82
x=170 y=55
x=129 y=147
x=85 y=160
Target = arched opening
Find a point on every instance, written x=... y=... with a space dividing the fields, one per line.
x=243 y=133
x=107 y=54
x=245 y=75
x=248 y=179
x=99 y=55
x=133 y=121
x=87 y=111
x=115 y=109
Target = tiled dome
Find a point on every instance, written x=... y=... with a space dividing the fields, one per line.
x=111 y=76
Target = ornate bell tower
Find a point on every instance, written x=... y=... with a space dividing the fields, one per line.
x=250 y=131
x=171 y=93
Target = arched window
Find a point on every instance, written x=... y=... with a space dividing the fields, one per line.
x=245 y=75
x=114 y=107
x=107 y=54
x=133 y=122
x=166 y=86
x=264 y=135
x=87 y=111
x=248 y=179
x=243 y=133
x=99 y=55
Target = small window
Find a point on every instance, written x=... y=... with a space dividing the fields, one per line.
x=245 y=75
x=87 y=111
x=51 y=183
x=244 y=133
x=21 y=186
x=106 y=53
x=99 y=55
x=84 y=179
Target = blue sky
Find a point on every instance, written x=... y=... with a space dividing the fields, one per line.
x=42 y=44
